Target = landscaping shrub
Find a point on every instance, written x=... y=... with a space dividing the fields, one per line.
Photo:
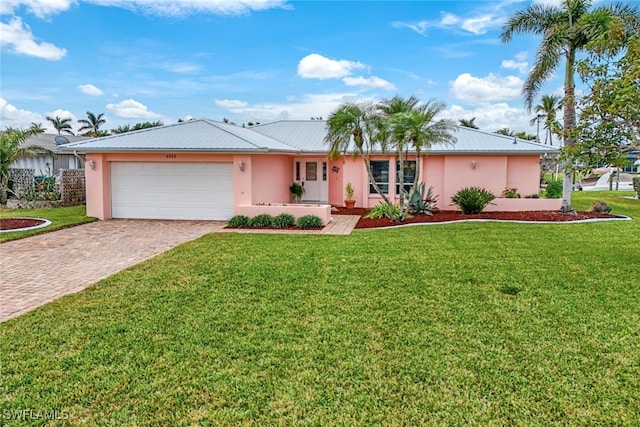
x=385 y=210
x=309 y=221
x=510 y=193
x=472 y=200
x=284 y=220
x=239 y=221
x=554 y=189
x=421 y=203
x=636 y=185
x=261 y=221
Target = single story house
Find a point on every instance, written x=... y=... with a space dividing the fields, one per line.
x=208 y=170
x=49 y=163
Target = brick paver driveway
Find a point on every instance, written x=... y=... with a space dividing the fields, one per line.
x=39 y=269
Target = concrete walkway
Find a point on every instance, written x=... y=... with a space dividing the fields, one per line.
x=39 y=269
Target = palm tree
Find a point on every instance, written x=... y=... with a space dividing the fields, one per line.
x=415 y=126
x=92 y=124
x=355 y=127
x=469 y=123
x=61 y=125
x=565 y=30
x=505 y=131
x=11 y=149
x=549 y=105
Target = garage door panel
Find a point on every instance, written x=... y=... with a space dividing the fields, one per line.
x=171 y=190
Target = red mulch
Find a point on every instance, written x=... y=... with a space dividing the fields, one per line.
x=446 y=216
x=15 y=223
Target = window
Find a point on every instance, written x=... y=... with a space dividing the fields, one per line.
x=409 y=175
x=311 y=171
x=324 y=171
x=297 y=171
x=380 y=172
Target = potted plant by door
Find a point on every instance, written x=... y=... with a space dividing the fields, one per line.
x=297 y=190
x=349 y=202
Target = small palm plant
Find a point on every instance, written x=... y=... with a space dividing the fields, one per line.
x=472 y=200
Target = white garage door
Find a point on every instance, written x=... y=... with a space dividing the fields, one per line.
x=150 y=190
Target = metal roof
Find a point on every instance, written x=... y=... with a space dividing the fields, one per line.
x=193 y=135
x=48 y=141
x=290 y=136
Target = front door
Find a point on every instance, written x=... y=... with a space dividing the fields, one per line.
x=312 y=174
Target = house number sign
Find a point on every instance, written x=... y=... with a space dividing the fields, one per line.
x=171 y=156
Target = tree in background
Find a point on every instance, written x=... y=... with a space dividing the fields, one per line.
x=138 y=126
x=12 y=149
x=61 y=125
x=469 y=123
x=547 y=110
x=565 y=29
x=91 y=125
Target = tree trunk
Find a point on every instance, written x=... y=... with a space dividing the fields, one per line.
x=569 y=126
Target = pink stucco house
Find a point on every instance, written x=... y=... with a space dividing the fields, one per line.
x=203 y=169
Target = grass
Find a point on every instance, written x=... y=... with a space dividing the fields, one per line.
x=463 y=324
x=60 y=218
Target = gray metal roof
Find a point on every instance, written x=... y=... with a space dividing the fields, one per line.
x=307 y=135
x=295 y=136
x=478 y=141
x=193 y=135
x=47 y=141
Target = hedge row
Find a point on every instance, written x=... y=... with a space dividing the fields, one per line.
x=283 y=220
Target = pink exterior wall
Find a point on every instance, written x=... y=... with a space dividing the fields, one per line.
x=336 y=183
x=271 y=177
x=522 y=172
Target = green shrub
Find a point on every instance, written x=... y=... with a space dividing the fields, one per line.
x=284 y=220
x=309 y=221
x=636 y=185
x=385 y=210
x=421 y=203
x=261 y=221
x=510 y=193
x=472 y=200
x=239 y=221
x=554 y=189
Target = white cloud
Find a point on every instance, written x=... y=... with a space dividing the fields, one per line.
x=17 y=37
x=132 y=109
x=90 y=89
x=556 y=3
x=373 y=82
x=449 y=19
x=481 y=24
x=11 y=116
x=316 y=66
x=190 y=7
x=40 y=8
x=492 y=117
x=312 y=105
x=518 y=63
x=477 y=90
x=230 y=103
x=418 y=27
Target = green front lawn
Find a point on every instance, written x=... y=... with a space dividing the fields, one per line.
x=60 y=218
x=461 y=324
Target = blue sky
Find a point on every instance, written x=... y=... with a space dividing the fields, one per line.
x=258 y=60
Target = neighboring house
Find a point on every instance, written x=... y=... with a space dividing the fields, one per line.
x=46 y=163
x=203 y=169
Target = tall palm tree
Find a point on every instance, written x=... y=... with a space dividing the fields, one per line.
x=61 y=125
x=92 y=124
x=565 y=30
x=12 y=149
x=469 y=123
x=547 y=109
x=355 y=127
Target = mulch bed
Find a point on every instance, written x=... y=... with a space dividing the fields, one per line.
x=446 y=216
x=16 y=223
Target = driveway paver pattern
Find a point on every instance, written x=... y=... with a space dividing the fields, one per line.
x=39 y=269
x=42 y=268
